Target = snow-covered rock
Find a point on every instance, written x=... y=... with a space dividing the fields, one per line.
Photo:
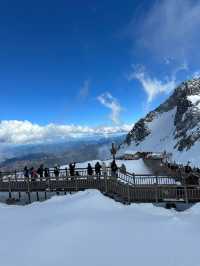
x=174 y=126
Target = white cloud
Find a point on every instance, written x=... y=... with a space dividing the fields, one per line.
x=84 y=90
x=169 y=29
x=167 y=60
x=166 y=30
x=154 y=86
x=196 y=74
x=182 y=67
x=24 y=132
x=151 y=85
x=110 y=102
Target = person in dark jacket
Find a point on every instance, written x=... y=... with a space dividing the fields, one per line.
x=66 y=171
x=89 y=169
x=97 y=169
x=26 y=172
x=188 y=169
x=33 y=174
x=46 y=172
x=40 y=171
x=114 y=169
x=56 y=171
x=123 y=168
x=72 y=168
x=77 y=173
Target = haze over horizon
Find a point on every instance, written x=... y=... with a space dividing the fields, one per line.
x=74 y=69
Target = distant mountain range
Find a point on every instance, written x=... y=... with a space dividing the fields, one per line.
x=58 y=153
x=174 y=126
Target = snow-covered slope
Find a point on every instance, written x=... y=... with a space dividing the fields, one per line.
x=87 y=229
x=174 y=126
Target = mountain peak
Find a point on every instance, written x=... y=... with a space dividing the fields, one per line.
x=173 y=126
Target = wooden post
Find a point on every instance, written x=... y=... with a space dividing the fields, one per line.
x=76 y=184
x=15 y=175
x=128 y=193
x=106 y=184
x=186 y=194
x=19 y=193
x=49 y=182
x=113 y=151
x=9 y=185
x=28 y=190
x=133 y=189
x=45 y=195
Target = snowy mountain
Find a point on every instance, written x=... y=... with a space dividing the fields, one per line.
x=174 y=126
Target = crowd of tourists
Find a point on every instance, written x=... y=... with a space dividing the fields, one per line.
x=187 y=169
x=190 y=174
x=98 y=170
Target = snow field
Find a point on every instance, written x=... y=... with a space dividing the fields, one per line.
x=89 y=229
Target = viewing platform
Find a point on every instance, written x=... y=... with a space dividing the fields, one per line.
x=124 y=186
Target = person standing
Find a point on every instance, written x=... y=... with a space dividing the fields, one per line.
x=46 y=172
x=114 y=169
x=56 y=171
x=72 y=168
x=26 y=172
x=66 y=171
x=89 y=169
x=123 y=168
x=40 y=171
x=33 y=174
x=98 y=169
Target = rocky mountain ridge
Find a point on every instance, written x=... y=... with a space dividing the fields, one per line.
x=183 y=107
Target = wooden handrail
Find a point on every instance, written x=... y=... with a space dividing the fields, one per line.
x=124 y=176
x=124 y=185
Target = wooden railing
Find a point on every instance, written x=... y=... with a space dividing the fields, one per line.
x=130 y=187
x=132 y=179
x=138 y=179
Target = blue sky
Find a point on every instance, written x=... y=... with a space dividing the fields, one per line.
x=93 y=63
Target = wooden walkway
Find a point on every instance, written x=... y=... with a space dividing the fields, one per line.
x=127 y=187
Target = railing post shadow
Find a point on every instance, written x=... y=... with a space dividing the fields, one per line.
x=37 y=195
x=128 y=193
x=156 y=190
